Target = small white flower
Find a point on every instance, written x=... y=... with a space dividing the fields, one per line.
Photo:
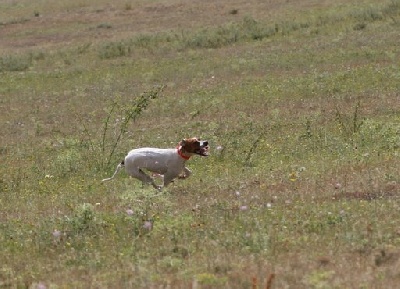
x=41 y=286
x=148 y=225
x=56 y=234
x=269 y=205
x=129 y=212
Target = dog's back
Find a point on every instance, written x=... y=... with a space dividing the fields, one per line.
x=153 y=159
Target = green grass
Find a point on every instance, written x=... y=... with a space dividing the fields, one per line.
x=302 y=113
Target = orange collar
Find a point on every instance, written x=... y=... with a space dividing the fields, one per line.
x=179 y=149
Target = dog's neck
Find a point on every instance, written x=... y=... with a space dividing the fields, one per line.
x=181 y=154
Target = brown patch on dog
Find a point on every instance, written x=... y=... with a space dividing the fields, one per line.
x=194 y=146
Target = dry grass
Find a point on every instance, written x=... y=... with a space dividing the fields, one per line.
x=298 y=99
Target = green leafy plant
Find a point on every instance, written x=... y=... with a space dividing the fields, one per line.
x=84 y=219
x=350 y=124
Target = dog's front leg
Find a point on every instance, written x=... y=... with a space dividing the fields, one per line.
x=186 y=173
x=169 y=177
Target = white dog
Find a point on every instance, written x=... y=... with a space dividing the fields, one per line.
x=167 y=162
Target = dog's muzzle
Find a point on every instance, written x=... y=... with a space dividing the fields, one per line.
x=203 y=151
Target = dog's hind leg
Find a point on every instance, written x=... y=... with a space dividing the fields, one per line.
x=146 y=179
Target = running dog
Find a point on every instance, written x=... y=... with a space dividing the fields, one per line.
x=167 y=162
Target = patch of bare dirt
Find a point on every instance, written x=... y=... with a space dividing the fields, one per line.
x=119 y=20
x=391 y=190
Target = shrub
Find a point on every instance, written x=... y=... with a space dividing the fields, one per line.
x=113 y=50
x=15 y=63
x=104 y=26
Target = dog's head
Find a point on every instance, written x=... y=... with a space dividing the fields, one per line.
x=194 y=146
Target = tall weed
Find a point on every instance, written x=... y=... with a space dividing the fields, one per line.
x=120 y=114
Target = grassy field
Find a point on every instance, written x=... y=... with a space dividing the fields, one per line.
x=299 y=100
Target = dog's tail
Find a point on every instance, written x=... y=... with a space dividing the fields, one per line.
x=120 y=165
